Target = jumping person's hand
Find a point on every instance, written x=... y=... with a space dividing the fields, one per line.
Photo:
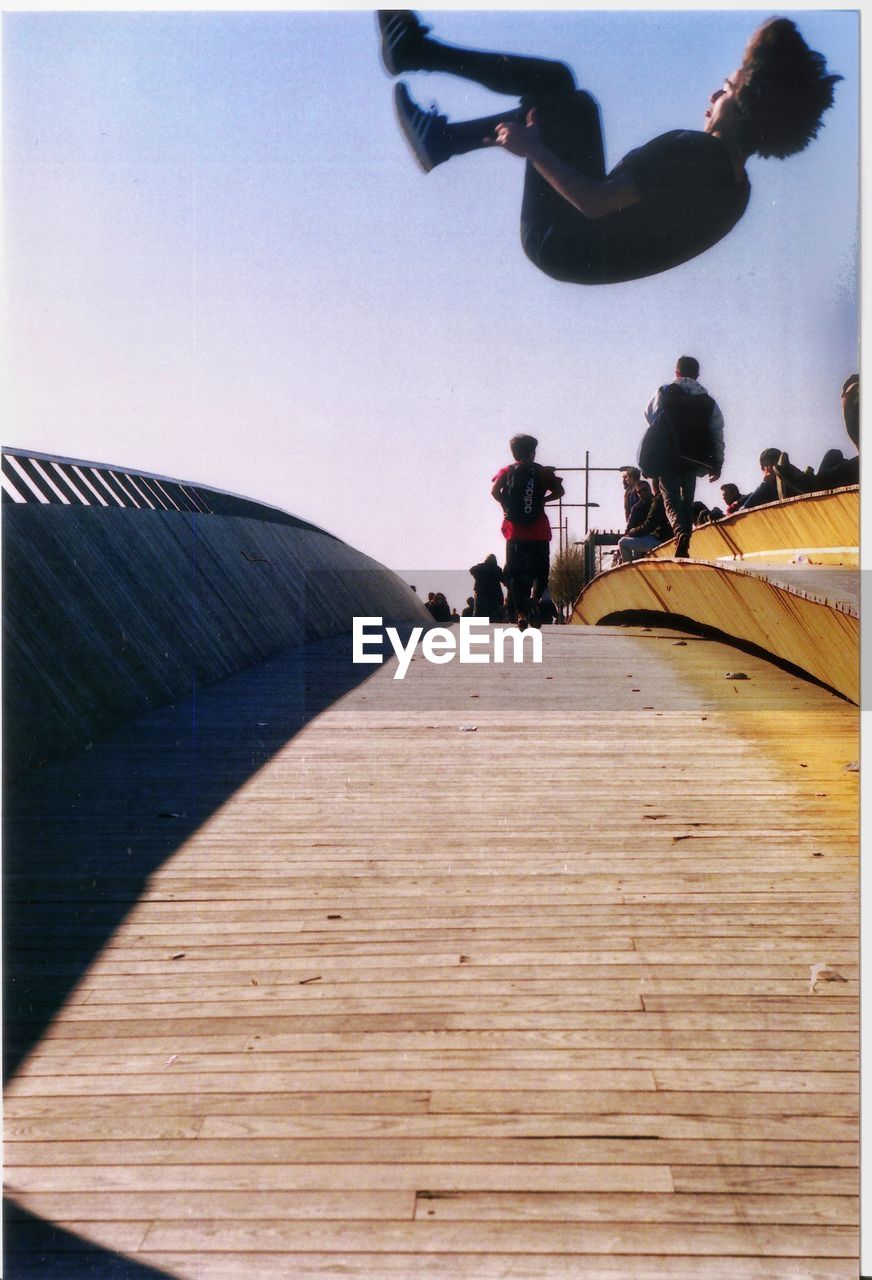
x=520 y=139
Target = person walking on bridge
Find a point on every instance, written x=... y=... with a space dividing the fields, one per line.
x=684 y=441
x=522 y=489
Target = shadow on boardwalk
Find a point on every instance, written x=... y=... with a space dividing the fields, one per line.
x=83 y=835
x=43 y=1251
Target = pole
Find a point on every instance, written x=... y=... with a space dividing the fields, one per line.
x=586 y=488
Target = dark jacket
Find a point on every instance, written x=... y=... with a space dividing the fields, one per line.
x=655 y=524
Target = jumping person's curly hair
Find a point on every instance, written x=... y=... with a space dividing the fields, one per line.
x=783 y=90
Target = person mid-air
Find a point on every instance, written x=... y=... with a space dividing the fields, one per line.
x=664 y=202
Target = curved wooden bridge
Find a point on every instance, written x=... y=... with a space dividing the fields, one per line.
x=783 y=577
x=541 y=971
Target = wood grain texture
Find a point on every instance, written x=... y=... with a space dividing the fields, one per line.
x=529 y=1001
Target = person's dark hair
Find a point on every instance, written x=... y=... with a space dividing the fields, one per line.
x=633 y=472
x=523 y=447
x=769 y=457
x=730 y=492
x=687 y=367
x=783 y=90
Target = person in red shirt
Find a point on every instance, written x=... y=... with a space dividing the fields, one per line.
x=522 y=490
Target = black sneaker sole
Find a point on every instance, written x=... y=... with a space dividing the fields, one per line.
x=399 y=27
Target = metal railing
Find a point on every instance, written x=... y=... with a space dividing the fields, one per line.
x=562 y=526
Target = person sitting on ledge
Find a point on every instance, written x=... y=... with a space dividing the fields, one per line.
x=649 y=533
x=835 y=469
x=630 y=477
x=666 y=201
x=733 y=498
x=767 y=489
x=641 y=502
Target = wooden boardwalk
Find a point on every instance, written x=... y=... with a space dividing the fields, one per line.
x=494 y=971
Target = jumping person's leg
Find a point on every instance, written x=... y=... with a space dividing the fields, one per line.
x=433 y=139
x=407 y=46
x=555 y=236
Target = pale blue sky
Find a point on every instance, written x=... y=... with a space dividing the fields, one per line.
x=224 y=265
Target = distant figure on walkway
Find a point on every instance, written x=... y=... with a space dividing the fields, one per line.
x=440 y=608
x=522 y=489
x=684 y=440
x=469 y=611
x=665 y=202
x=488 y=578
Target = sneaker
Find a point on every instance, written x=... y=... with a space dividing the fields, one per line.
x=402 y=36
x=426 y=132
x=682 y=547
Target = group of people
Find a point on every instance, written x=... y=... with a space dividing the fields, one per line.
x=663 y=204
x=685 y=441
x=439 y=608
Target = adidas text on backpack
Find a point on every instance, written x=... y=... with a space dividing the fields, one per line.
x=524 y=493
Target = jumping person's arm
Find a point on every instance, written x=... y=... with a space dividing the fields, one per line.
x=591 y=196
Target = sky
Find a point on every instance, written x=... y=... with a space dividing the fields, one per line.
x=223 y=265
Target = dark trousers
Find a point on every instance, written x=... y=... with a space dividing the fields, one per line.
x=527 y=565
x=677 y=489
x=557 y=238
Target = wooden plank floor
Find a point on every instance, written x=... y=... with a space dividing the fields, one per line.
x=494 y=971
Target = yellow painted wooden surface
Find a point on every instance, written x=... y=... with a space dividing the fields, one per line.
x=765 y=608
x=532 y=999
x=821 y=528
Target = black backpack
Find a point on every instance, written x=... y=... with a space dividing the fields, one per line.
x=691 y=418
x=524 y=493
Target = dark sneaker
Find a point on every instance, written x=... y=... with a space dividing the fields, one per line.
x=426 y=132
x=402 y=37
x=682 y=547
